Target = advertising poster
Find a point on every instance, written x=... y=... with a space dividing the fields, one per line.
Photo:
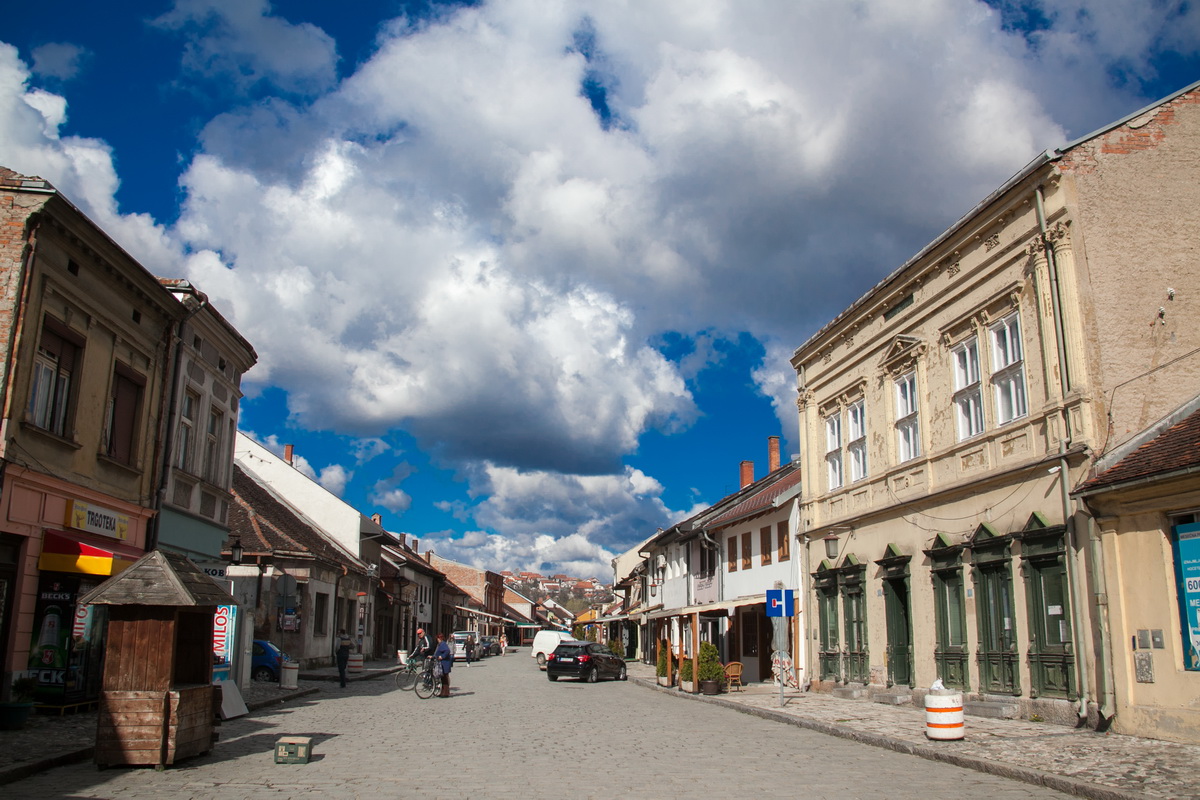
x=1187 y=570
x=63 y=650
x=224 y=638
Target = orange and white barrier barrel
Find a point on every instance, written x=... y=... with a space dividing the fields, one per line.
x=356 y=663
x=944 y=715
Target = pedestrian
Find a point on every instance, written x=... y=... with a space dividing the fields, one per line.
x=503 y=644
x=343 y=654
x=445 y=657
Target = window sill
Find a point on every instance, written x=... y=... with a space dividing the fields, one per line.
x=40 y=432
x=132 y=469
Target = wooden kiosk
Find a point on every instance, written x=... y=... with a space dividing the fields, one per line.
x=157 y=699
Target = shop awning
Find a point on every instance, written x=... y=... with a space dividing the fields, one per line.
x=64 y=553
x=724 y=605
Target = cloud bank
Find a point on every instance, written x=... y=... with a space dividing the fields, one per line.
x=481 y=232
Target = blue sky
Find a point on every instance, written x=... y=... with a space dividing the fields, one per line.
x=524 y=277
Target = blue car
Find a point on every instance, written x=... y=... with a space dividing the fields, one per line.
x=266 y=661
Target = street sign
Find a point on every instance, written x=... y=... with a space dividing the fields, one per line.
x=781 y=603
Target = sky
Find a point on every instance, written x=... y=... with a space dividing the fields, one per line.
x=524 y=277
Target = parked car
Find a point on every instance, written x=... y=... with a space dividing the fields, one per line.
x=586 y=661
x=544 y=643
x=465 y=646
x=266 y=661
x=490 y=645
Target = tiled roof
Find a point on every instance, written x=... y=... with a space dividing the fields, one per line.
x=762 y=499
x=1174 y=449
x=266 y=525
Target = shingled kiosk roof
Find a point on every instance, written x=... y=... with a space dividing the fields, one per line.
x=160 y=579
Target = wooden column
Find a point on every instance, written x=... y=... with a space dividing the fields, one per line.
x=695 y=652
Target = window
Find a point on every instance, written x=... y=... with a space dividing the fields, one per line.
x=856 y=416
x=187 y=430
x=212 y=447
x=124 y=411
x=747 y=545
x=833 y=450
x=1008 y=369
x=51 y=383
x=764 y=545
x=731 y=554
x=785 y=545
x=967 y=398
x=321 y=614
x=908 y=427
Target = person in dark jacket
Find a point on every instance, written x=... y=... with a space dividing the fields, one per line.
x=445 y=656
x=343 y=654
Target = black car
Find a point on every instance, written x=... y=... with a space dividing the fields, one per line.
x=587 y=661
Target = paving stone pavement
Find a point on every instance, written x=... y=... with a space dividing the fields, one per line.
x=507 y=732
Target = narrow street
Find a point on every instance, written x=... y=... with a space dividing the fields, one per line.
x=508 y=732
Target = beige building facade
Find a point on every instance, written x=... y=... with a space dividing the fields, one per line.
x=947 y=415
x=85 y=337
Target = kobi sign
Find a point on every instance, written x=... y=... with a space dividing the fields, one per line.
x=781 y=603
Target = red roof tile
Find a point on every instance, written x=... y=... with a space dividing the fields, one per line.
x=1176 y=448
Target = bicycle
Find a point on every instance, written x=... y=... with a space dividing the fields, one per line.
x=406 y=677
x=428 y=685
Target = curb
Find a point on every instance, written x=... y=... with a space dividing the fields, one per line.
x=1035 y=777
x=22 y=771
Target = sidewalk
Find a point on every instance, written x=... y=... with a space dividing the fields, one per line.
x=49 y=741
x=1075 y=761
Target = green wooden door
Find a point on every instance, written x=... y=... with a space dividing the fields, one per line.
x=950 y=653
x=899 y=631
x=997 y=629
x=830 y=656
x=854 y=615
x=1051 y=654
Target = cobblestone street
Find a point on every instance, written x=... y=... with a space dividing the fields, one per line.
x=508 y=732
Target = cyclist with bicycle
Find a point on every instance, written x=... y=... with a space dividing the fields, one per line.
x=422 y=648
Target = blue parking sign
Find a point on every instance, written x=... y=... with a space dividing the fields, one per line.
x=780 y=603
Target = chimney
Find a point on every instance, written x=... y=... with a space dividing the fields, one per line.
x=416 y=545
x=377 y=519
x=772 y=454
x=287 y=454
x=747 y=473
x=403 y=539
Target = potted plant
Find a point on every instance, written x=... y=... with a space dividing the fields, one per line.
x=712 y=673
x=685 y=675
x=663 y=678
x=16 y=711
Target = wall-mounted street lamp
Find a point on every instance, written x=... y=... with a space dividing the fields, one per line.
x=831 y=546
x=235 y=551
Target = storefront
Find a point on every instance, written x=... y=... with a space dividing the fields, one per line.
x=59 y=542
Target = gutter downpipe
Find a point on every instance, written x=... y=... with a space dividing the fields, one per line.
x=1078 y=593
x=1100 y=596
